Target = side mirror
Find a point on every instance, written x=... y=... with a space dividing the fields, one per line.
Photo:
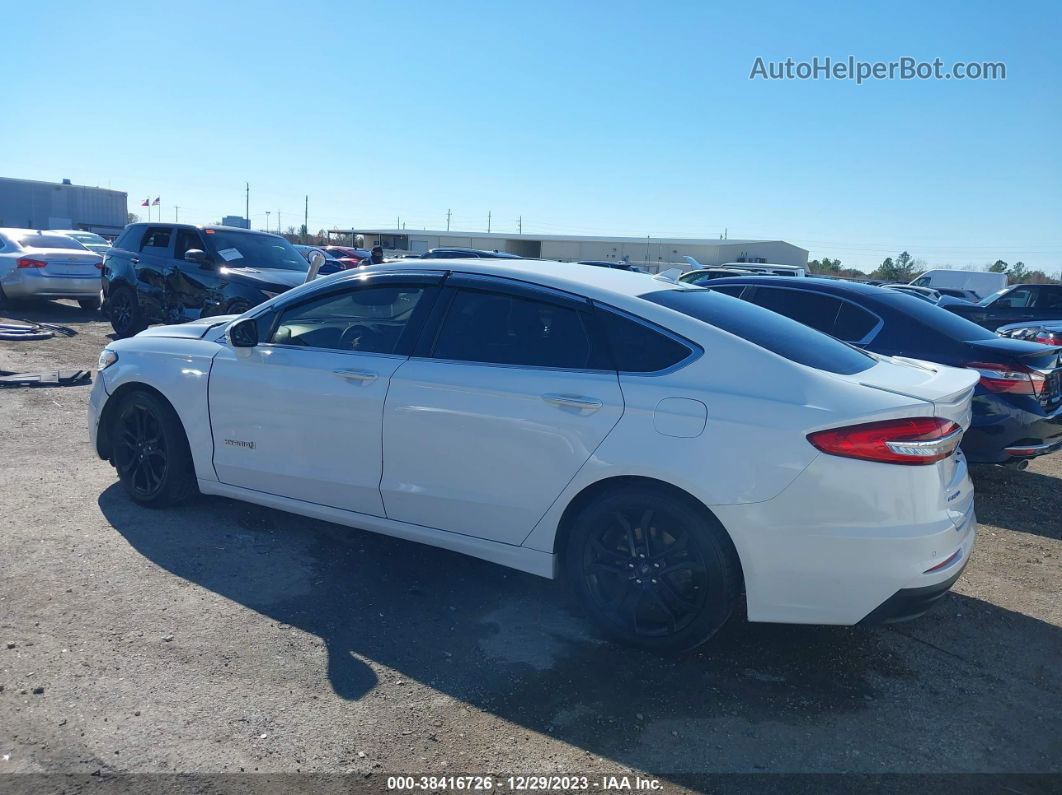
x=316 y=261
x=198 y=256
x=244 y=333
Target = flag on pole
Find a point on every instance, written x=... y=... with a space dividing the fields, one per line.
x=144 y=203
x=156 y=202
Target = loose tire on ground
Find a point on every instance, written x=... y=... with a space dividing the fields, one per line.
x=653 y=569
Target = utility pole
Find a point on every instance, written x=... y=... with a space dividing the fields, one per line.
x=306 y=220
x=267 y=220
x=488 y=221
x=447 y=220
x=247 y=203
x=278 y=222
x=520 y=225
x=176 y=214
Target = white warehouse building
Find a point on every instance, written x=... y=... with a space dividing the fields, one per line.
x=652 y=251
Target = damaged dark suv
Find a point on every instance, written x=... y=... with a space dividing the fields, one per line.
x=172 y=273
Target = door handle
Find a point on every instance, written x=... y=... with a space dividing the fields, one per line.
x=573 y=402
x=363 y=376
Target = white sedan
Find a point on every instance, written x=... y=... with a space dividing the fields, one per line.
x=665 y=448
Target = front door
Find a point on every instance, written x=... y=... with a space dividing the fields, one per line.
x=192 y=287
x=484 y=431
x=299 y=415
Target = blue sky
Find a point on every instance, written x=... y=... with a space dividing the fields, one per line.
x=583 y=118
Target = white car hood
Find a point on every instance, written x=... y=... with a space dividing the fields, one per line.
x=194 y=330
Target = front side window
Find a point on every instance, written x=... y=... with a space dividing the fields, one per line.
x=499 y=328
x=186 y=239
x=362 y=320
x=1016 y=299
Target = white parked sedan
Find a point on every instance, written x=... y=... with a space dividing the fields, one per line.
x=664 y=447
x=36 y=264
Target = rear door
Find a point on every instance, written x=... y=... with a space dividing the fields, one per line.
x=152 y=263
x=488 y=423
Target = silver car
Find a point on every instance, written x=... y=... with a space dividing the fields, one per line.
x=36 y=264
x=97 y=244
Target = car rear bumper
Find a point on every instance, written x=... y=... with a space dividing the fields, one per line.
x=30 y=283
x=1001 y=430
x=908 y=603
x=826 y=552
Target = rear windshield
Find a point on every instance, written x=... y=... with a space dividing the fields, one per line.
x=767 y=329
x=935 y=317
x=34 y=240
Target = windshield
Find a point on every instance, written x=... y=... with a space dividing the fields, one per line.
x=254 y=250
x=990 y=298
x=37 y=240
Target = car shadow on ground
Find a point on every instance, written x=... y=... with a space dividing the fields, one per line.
x=62 y=313
x=1026 y=502
x=515 y=645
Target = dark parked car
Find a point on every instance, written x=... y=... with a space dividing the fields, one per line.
x=466 y=253
x=171 y=273
x=1017 y=406
x=350 y=257
x=1046 y=332
x=1014 y=304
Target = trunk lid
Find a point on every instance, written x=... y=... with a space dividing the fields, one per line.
x=949 y=389
x=66 y=262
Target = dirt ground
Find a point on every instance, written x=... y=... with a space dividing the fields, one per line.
x=223 y=637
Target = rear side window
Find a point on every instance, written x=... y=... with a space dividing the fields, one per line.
x=934 y=317
x=767 y=329
x=156 y=237
x=499 y=328
x=1049 y=298
x=637 y=348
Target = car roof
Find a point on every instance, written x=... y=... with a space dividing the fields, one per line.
x=590 y=282
x=217 y=227
x=835 y=286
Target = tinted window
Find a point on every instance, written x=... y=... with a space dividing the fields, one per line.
x=156 y=237
x=726 y=289
x=36 y=240
x=506 y=329
x=764 y=328
x=826 y=313
x=1049 y=298
x=366 y=319
x=853 y=323
x=1018 y=297
x=637 y=348
x=128 y=239
x=187 y=239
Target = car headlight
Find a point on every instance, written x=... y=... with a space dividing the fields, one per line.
x=107 y=358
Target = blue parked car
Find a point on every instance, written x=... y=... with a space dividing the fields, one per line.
x=1017 y=407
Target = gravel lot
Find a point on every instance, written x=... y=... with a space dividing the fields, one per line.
x=226 y=637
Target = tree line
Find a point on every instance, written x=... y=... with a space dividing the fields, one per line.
x=904 y=268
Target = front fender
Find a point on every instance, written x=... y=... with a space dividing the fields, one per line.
x=179 y=370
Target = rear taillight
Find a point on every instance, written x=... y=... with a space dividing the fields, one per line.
x=26 y=262
x=913 y=440
x=1011 y=379
x=99 y=266
x=1049 y=337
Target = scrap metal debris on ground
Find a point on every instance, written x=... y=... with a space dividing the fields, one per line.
x=33 y=331
x=58 y=378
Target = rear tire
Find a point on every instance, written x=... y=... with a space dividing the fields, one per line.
x=126 y=314
x=238 y=307
x=89 y=304
x=653 y=570
x=150 y=451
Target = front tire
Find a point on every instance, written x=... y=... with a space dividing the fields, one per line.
x=126 y=314
x=150 y=451
x=653 y=569
x=89 y=304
